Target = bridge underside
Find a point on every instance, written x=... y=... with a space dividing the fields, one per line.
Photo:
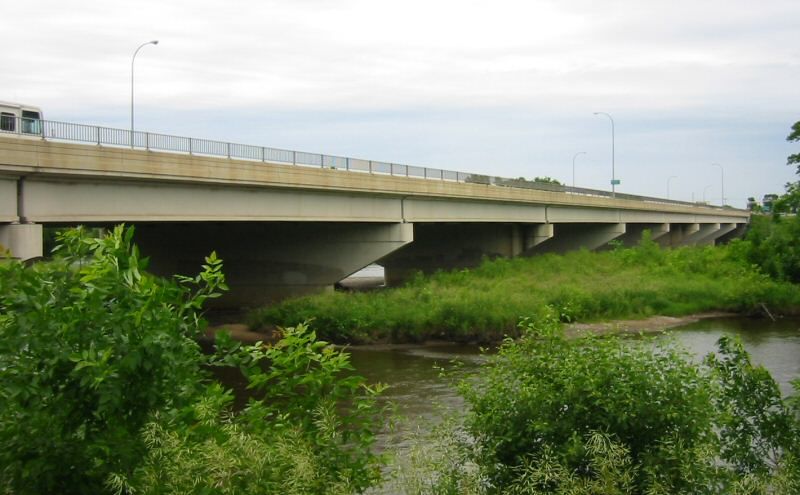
x=267 y=261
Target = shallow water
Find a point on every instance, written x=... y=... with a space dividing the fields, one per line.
x=422 y=393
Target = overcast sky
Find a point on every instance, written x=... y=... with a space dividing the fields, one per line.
x=504 y=87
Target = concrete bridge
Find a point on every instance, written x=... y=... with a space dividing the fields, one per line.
x=288 y=223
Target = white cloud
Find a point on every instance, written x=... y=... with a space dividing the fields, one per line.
x=458 y=67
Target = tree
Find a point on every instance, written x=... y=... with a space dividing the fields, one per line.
x=794 y=136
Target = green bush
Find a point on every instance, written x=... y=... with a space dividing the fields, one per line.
x=308 y=429
x=546 y=394
x=90 y=346
x=104 y=388
x=774 y=245
x=607 y=415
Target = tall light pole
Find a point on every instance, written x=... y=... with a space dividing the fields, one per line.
x=613 y=173
x=671 y=177
x=133 y=59
x=704 y=192
x=722 y=180
x=573 y=165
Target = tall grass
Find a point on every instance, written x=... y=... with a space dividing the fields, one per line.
x=485 y=303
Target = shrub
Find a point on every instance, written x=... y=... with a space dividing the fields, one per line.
x=606 y=415
x=104 y=389
x=545 y=395
x=308 y=429
x=90 y=346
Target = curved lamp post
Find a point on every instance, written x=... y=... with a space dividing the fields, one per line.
x=133 y=59
x=671 y=177
x=722 y=180
x=573 y=165
x=613 y=174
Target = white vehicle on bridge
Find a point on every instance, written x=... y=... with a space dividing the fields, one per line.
x=20 y=118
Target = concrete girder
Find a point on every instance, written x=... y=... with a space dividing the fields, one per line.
x=573 y=236
x=267 y=261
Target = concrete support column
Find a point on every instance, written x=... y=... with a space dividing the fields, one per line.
x=711 y=239
x=574 y=236
x=447 y=246
x=738 y=231
x=634 y=231
x=677 y=233
x=21 y=241
x=8 y=200
x=537 y=234
x=706 y=230
x=264 y=262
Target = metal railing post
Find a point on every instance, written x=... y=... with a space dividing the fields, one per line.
x=228 y=149
x=97 y=130
x=370 y=166
x=347 y=163
x=263 y=155
x=321 y=161
x=294 y=158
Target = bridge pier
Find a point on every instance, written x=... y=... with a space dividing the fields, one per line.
x=22 y=241
x=634 y=231
x=267 y=261
x=699 y=237
x=573 y=236
x=448 y=246
x=678 y=232
x=738 y=232
x=711 y=238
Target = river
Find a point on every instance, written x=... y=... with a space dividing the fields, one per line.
x=420 y=392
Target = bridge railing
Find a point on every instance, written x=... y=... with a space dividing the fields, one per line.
x=106 y=136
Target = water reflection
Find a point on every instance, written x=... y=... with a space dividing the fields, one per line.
x=421 y=382
x=775 y=345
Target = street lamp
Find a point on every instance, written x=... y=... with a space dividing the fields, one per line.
x=614 y=181
x=671 y=177
x=573 y=165
x=704 y=192
x=133 y=59
x=722 y=180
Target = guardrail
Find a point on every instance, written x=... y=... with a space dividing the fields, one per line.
x=106 y=136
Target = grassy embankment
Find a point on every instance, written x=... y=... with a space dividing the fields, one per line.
x=485 y=303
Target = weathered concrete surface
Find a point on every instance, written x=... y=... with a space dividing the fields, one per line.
x=21 y=241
